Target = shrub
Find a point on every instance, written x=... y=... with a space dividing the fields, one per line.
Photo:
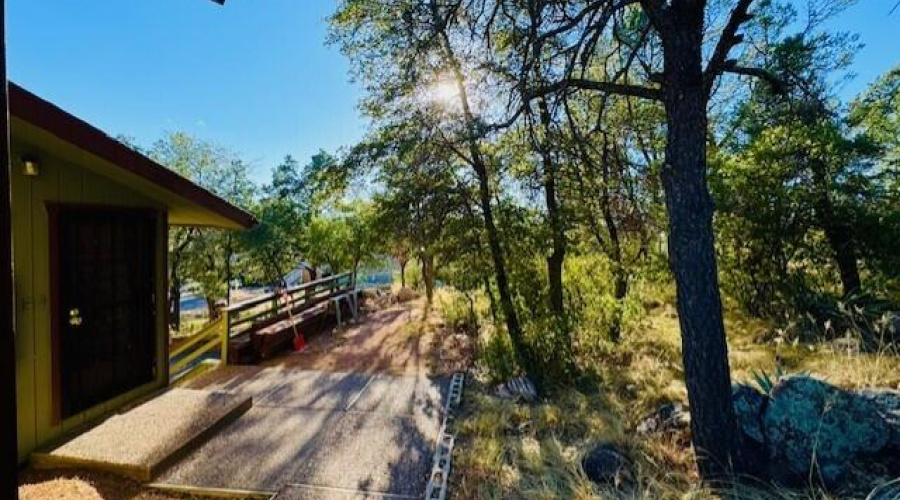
x=496 y=357
x=859 y=316
x=460 y=311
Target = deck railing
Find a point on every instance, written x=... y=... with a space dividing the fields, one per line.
x=210 y=341
x=258 y=312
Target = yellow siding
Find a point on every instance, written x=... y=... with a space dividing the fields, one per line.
x=60 y=182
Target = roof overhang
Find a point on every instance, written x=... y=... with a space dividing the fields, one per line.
x=39 y=122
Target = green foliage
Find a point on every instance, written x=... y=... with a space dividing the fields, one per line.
x=460 y=311
x=277 y=242
x=343 y=239
x=497 y=358
x=204 y=256
x=859 y=316
x=804 y=202
x=767 y=382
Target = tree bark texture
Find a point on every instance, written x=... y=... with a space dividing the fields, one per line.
x=692 y=252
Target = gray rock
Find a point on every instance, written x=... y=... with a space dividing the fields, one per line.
x=605 y=465
x=887 y=491
x=749 y=407
x=812 y=426
x=888 y=403
x=668 y=417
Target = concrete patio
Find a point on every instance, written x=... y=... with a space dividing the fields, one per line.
x=318 y=435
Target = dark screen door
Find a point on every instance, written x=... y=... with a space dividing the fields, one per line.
x=106 y=323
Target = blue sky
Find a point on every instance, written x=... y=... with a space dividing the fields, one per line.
x=255 y=76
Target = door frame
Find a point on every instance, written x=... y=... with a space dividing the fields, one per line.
x=54 y=209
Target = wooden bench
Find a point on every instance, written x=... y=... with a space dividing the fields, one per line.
x=279 y=336
x=264 y=326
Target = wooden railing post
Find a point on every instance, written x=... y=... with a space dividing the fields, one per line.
x=226 y=335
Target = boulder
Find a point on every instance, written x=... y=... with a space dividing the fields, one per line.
x=605 y=465
x=887 y=491
x=666 y=418
x=749 y=407
x=813 y=427
x=888 y=403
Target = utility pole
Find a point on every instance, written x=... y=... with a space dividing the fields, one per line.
x=9 y=448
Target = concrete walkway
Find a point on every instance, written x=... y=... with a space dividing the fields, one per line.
x=314 y=435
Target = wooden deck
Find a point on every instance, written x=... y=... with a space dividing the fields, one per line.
x=262 y=327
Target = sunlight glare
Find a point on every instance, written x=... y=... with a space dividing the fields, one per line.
x=444 y=93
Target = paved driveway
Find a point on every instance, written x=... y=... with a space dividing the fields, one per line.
x=314 y=435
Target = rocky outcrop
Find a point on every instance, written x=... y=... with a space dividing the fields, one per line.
x=804 y=429
x=749 y=409
x=814 y=429
x=888 y=403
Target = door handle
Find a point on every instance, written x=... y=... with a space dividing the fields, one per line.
x=75 y=319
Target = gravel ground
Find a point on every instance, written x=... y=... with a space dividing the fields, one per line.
x=351 y=431
x=312 y=493
x=83 y=485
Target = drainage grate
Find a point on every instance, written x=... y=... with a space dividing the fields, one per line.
x=440 y=471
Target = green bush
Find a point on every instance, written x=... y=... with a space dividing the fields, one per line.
x=860 y=316
x=460 y=311
x=496 y=357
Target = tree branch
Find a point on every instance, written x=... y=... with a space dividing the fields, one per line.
x=776 y=83
x=607 y=87
x=730 y=38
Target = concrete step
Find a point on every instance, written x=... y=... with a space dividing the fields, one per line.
x=140 y=442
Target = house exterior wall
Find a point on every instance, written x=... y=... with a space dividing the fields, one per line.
x=61 y=182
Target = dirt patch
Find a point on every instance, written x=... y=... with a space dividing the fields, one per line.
x=397 y=339
x=451 y=351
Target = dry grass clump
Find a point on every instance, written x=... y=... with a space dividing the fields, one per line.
x=514 y=451
x=508 y=450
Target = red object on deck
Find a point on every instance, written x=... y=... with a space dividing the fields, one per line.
x=299 y=342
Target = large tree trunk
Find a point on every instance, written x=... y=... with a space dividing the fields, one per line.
x=839 y=234
x=428 y=276
x=840 y=238
x=214 y=311
x=692 y=252
x=614 y=250
x=489 y=290
x=402 y=274
x=523 y=354
x=558 y=256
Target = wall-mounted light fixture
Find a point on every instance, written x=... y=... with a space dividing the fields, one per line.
x=30 y=166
